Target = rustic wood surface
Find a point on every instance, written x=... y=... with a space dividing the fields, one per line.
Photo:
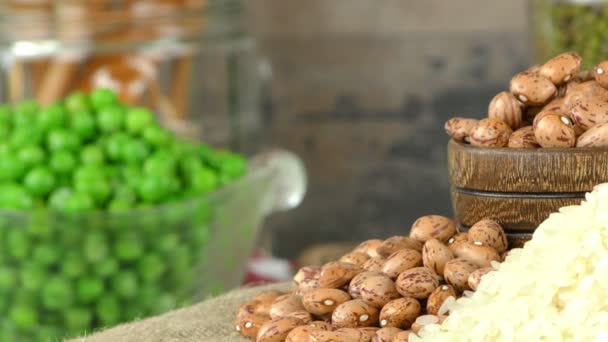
x=529 y=171
x=513 y=213
x=520 y=188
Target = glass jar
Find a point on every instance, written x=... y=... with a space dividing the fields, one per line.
x=579 y=26
x=68 y=274
x=189 y=60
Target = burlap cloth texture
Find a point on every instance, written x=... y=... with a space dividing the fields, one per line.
x=210 y=320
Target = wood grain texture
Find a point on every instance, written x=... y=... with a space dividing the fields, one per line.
x=515 y=214
x=529 y=171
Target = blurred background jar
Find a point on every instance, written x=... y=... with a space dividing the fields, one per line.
x=570 y=25
x=189 y=60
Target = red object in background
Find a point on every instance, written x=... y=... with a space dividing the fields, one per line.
x=264 y=269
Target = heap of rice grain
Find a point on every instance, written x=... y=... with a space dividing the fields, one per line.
x=554 y=289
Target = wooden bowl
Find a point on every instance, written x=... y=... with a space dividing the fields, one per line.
x=520 y=187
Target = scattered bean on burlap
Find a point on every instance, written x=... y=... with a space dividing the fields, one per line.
x=209 y=321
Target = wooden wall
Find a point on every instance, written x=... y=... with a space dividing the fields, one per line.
x=361 y=89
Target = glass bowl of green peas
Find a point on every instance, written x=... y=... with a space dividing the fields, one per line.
x=579 y=26
x=106 y=217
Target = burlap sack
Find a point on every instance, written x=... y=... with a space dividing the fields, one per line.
x=208 y=321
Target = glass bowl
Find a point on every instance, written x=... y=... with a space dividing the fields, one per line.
x=193 y=62
x=68 y=274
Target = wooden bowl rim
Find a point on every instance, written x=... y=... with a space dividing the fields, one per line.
x=526 y=170
x=532 y=151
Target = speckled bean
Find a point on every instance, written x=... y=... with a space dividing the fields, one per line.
x=596 y=136
x=436 y=299
x=378 y=290
x=276 y=330
x=322 y=302
x=433 y=227
x=532 y=89
x=417 y=282
x=523 y=138
x=396 y=243
x=400 y=261
x=490 y=133
x=336 y=274
x=459 y=128
x=400 y=313
x=355 y=313
x=435 y=255
x=505 y=107
x=490 y=233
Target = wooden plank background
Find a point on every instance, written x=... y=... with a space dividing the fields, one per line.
x=361 y=89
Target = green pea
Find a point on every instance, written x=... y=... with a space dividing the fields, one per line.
x=73 y=265
x=25 y=112
x=95 y=247
x=61 y=139
x=89 y=289
x=128 y=247
x=8 y=278
x=154 y=188
x=93 y=155
x=84 y=125
x=31 y=156
x=125 y=284
x=7 y=331
x=78 y=319
x=110 y=119
x=58 y=197
x=11 y=168
x=135 y=151
x=40 y=230
x=24 y=317
x=156 y=136
x=147 y=296
x=108 y=310
x=151 y=267
x=204 y=180
x=6 y=114
x=138 y=119
x=119 y=206
x=106 y=267
x=132 y=311
x=17 y=244
x=159 y=163
x=167 y=242
x=48 y=334
x=33 y=277
x=51 y=117
x=77 y=102
x=125 y=194
x=114 y=145
x=23 y=297
x=58 y=293
x=5 y=132
x=103 y=97
x=98 y=190
x=232 y=165
x=130 y=175
x=190 y=164
x=46 y=254
x=25 y=136
x=63 y=162
x=78 y=202
x=166 y=302
x=39 y=181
